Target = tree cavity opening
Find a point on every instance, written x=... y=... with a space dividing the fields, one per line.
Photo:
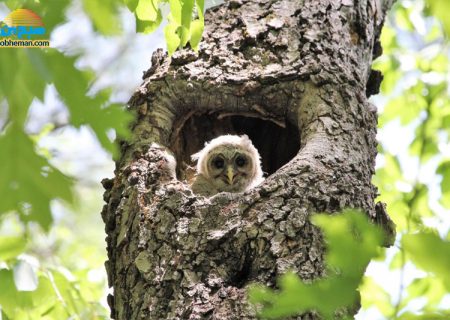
x=276 y=142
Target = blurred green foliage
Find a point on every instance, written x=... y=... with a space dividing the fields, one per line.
x=38 y=281
x=352 y=242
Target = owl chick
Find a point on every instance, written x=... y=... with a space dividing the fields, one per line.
x=227 y=163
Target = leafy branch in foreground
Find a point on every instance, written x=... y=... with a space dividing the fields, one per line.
x=29 y=178
x=352 y=242
x=185 y=20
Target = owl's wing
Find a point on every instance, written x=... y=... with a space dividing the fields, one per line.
x=202 y=186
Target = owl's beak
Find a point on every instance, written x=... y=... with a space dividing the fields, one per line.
x=230 y=174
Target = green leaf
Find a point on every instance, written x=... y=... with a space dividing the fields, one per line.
x=399 y=212
x=181 y=28
x=406 y=107
x=175 y=15
x=418 y=247
x=444 y=171
x=424 y=146
x=132 y=4
x=440 y=9
x=55 y=297
x=430 y=288
x=72 y=85
x=373 y=294
x=11 y=247
x=9 y=297
x=146 y=26
x=200 y=8
x=420 y=206
x=104 y=15
x=32 y=304
x=147 y=10
x=28 y=179
x=388 y=41
x=172 y=38
x=196 y=33
x=398 y=261
x=402 y=18
x=440 y=63
x=186 y=18
x=67 y=290
x=21 y=80
x=349 y=230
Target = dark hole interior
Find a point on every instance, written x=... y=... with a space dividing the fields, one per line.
x=276 y=144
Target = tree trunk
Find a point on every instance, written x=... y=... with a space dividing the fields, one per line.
x=295 y=77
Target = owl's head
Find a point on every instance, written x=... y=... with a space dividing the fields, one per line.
x=230 y=163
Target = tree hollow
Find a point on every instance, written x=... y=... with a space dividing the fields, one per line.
x=277 y=142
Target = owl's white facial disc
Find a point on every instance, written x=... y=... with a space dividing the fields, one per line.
x=229 y=163
x=230 y=168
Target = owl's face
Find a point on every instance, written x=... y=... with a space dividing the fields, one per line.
x=230 y=168
x=230 y=163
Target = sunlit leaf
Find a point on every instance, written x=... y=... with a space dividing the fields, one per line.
x=11 y=247
x=131 y=4
x=200 y=8
x=424 y=146
x=147 y=10
x=172 y=38
x=373 y=294
x=444 y=171
x=9 y=299
x=403 y=20
x=182 y=27
x=420 y=204
x=440 y=9
x=186 y=18
x=431 y=288
x=399 y=212
x=175 y=11
x=196 y=33
x=146 y=26
x=28 y=179
x=440 y=63
x=406 y=107
x=398 y=261
x=17 y=303
x=104 y=15
x=418 y=247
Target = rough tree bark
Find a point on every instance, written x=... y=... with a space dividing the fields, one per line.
x=295 y=77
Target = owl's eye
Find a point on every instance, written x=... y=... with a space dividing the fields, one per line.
x=240 y=161
x=218 y=163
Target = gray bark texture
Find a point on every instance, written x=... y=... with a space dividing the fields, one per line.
x=294 y=75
